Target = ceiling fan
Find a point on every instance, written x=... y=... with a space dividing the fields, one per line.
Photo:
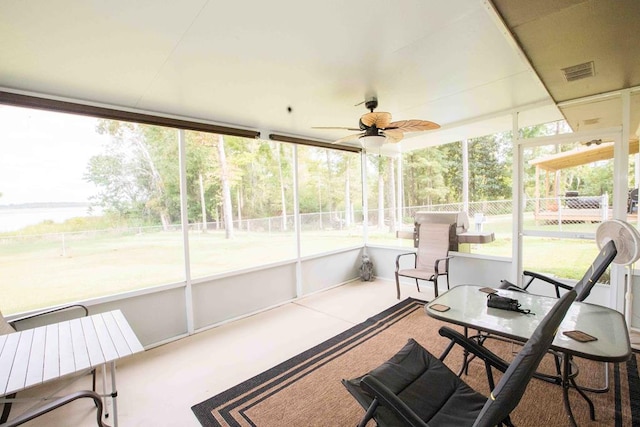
x=376 y=128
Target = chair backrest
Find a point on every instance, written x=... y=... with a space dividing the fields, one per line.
x=595 y=270
x=433 y=243
x=507 y=394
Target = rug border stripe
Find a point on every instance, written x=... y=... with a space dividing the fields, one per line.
x=618 y=395
x=634 y=390
x=337 y=352
x=282 y=372
x=202 y=410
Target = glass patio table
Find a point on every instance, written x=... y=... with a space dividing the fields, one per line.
x=468 y=308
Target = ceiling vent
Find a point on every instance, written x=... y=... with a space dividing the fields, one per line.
x=580 y=71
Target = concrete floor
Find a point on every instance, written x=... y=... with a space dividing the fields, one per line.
x=158 y=387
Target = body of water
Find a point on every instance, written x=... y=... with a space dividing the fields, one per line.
x=13 y=219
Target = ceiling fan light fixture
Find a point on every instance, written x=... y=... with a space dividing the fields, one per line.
x=372 y=141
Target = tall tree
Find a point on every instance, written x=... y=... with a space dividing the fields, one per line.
x=277 y=147
x=348 y=211
x=380 y=163
x=330 y=165
x=391 y=194
x=203 y=201
x=155 y=181
x=137 y=173
x=424 y=180
x=489 y=178
x=203 y=184
x=227 y=208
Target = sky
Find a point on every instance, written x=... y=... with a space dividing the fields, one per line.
x=44 y=155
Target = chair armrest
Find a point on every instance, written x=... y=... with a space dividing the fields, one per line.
x=57 y=403
x=389 y=400
x=474 y=348
x=415 y=256
x=549 y=280
x=505 y=284
x=51 y=311
x=436 y=266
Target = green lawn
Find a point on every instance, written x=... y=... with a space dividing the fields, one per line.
x=41 y=272
x=49 y=270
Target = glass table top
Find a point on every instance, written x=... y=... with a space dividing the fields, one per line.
x=468 y=307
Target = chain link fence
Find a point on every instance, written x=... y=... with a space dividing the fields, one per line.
x=542 y=212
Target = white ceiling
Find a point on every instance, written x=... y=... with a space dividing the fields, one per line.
x=245 y=63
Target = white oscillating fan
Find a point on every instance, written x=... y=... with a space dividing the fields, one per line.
x=627 y=240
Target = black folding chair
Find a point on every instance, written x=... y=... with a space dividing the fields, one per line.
x=415 y=388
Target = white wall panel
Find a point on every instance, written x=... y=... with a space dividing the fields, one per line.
x=467 y=269
x=229 y=297
x=330 y=270
x=154 y=317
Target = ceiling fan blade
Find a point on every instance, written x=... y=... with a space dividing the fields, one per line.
x=348 y=138
x=394 y=135
x=413 y=125
x=335 y=127
x=378 y=118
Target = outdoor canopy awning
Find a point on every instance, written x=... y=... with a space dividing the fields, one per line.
x=580 y=156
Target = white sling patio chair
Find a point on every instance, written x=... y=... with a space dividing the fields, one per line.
x=431 y=257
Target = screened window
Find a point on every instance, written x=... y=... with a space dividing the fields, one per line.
x=330 y=189
x=92 y=207
x=567 y=196
x=88 y=208
x=432 y=180
x=240 y=202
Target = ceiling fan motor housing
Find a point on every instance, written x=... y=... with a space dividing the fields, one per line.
x=371 y=104
x=363 y=126
x=370 y=131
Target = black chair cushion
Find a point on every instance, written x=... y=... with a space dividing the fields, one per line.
x=426 y=385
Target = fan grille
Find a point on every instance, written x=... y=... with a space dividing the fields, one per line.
x=624 y=236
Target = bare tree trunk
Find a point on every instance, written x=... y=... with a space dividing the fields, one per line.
x=320 y=204
x=202 y=203
x=226 y=190
x=347 y=196
x=380 y=194
x=283 y=200
x=392 y=196
x=329 y=198
x=239 y=207
x=157 y=183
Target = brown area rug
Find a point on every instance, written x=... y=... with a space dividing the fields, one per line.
x=306 y=390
